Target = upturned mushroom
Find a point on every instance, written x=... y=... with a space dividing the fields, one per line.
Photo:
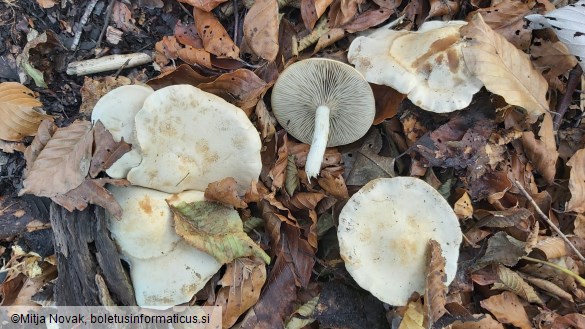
x=384 y=231
x=324 y=103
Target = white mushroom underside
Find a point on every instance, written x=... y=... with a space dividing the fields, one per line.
x=426 y=65
x=384 y=231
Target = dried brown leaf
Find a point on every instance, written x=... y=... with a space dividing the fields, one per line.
x=368 y=19
x=388 y=4
x=511 y=281
x=442 y=8
x=306 y=200
x=552 y=247
x=63 y=163
x=463 y=207
x=195 y=56
x=369 y=164
x=311 y=11
x=291 y=182
x=11 y=147
x=573 y=320
x=413 y=317
x=241 y=87
x=122 y=18
x=94 y=88
x=552 y=59
x=387 y=102
x=90 y=191
x=241 y=287
x=261 y=29
x=225 y=191
x=215 y=38
x=580 y=226
x=329 y=38
x=107 y=151
x=46 y=4
x=548 y=286
x=502 y=249
x=503 y=218
x=206 y=5
x=503 y=68
x=576 y=182
x=542 y=153
x=343 y=11
x=508 y=309
x=507 y=19
x=482 y=321
x=166 y=49
x=45 y=132
x=435 y=289
x=278 y=172
x=187 y=35
x=18 y=118
x=333 y=184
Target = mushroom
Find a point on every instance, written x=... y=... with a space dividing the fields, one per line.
x=189 y=138
x=116 y=110
x=384 y=231
x=164 y=269
x=323 y=102
x=427 y=65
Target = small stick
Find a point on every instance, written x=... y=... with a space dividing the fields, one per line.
x=547 y=220
x=82 y=23
x=107 y=63
x=236 y=17
x=109 y=10
x=563 y=105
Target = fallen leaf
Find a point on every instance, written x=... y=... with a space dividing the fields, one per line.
x=95 y=87
x=266 y=122
x=576 y=179
x=502 y=249
x=241 y=287
x=312 y=10
x=368 y=19
x=304 y=315
x=241 y=87
x=551 y=247
x=224 y=191
x=195 y=56
x=215 y=38
x=107 y=151
x=11 y=147
x=278 y=172
x=504 y=218
x=261 y=29
x=413 y=317
x=507 y=19
x=216 y=230
x=18 y=118
x=333 y=184
x=206 y=5
x=329 y=38
x=187 y=35
x=183 y=74
x=166 y=49
x=387 y=102
x=542 y=153
x=62 y=164
x=91 y=191
x=552 y=59
x=292 y=179
x=46 y=4
x=509 y=280
x=305 y=200
x=573 y=320
x=122 y=18
x=369 y=164
x=503 y=68
x=548 y=286
x=343 y=11
x=463 y=207
x=482 y=321
x=443 y=8
x=508 y=309
x=435 y=288
x=580 y=226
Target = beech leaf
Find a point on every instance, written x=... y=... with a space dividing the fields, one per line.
x=503 y=68
x=107 y=151
x=291 y=182
x=18 y=118
x=508 y=309
x=576 y=186
x=436 y=289
x=215 y=38
x=511 y=281
x=225 y=191
x=542 y=153
x=63 y=163
x=216 y=230
x=261 y=29
x=503 y=249
x=90 y=191
x=413 y=317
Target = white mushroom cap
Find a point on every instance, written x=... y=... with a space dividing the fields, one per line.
x=383 y=235
x=173 y=279
x=308 y=84
x=164 y=269
x=190 y=138
x=116 y=110
x=427 y=65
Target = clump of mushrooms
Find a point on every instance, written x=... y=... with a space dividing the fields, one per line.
x=322 y=102
x=426 y=65
x=182 y=139
x=384 y=231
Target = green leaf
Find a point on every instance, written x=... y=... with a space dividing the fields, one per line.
x=216 y=230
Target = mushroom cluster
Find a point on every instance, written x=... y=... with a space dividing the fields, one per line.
x=323 y=102
x=383 y=233
x=182 y=139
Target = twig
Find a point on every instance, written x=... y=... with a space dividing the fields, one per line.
x=185 y=10
x=563 y=105
x=560 y=268
x=82 y=23
x=109 y=10
x=107 y=63
x=547 y=220
x=236 y=18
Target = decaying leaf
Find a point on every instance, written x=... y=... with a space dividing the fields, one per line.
x=95 y=87
x=107 y=151
x=303 y=316
x=333 y=184
x=552 y=247
x=166 y=49
x=216 y=230
x=63 y=163
x=369 y=164
x=266 y=122
x=241 y=287
x=187 y=35
x=278 y=171
x=542 y=153
x=463 y=207
x=215 y=38
x=311 y=11
x=503 y=249
x=506 y=18
x=548 y=286
x=508 y=309
x=442 y=8
x=18 y=118
x=435 y=288
x=576 y=186
x=481 y=321
x=503 y=218
x=329 y=38
x=206 y=5
x=241 y=87
x=261 y=29
x=194 y=56
x=122 y=18
x=368 y=19
x=511 y=281
x=90 y=191
x=225 y=191
x=552 y=59
x=387 y=102
x=413 y=317
x=292 y=179
x=503 y=68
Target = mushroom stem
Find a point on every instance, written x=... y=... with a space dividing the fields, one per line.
x=319 y=143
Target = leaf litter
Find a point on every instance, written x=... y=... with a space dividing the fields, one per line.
x=519 y=268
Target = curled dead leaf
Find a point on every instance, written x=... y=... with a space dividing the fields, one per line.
x=508 y=309
x=435 y=289
x=542 y=153
x=225 y=191
x=576 y=185
x=18 y=118
x=261 y=29
x=215 y=38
